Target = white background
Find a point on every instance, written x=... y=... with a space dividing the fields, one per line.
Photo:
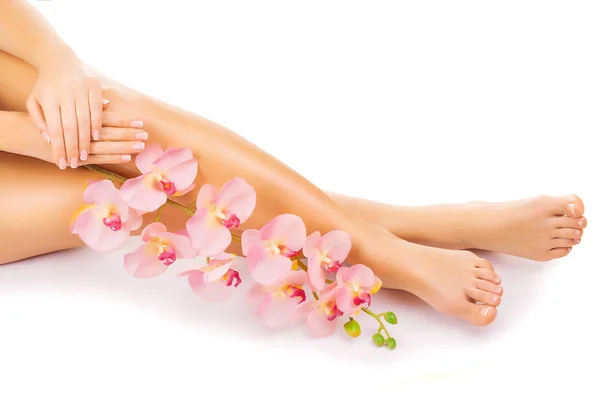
x=400 y=101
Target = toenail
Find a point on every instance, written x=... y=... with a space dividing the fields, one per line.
x=577 y=233
x=494 y=299
x=497 y=279
x=486 y=312
x=569 y=249
x=580 y=222
x=572 y=206
x=499 y=290
x=576 y=240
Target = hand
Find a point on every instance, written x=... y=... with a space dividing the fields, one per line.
x=66 y=104
x=117 y=141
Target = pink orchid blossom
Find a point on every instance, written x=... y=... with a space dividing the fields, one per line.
x=278 y=304
x=159 y=250
x=269 y=250
x=356 y=284
x=105 y=222
x=323 y=314
x=325 y=255
x=168 y=173
x=216 y=281
x=217 y=213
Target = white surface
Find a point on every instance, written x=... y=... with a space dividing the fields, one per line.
x=426 y=102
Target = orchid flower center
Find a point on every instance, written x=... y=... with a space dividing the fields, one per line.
x=165 y=185
x=232 y=277
x=166 y=253
x=112 y=220
x=361 y=296
x=331 y=310
x=327 y=263
x=292 y=291
x=277 y=248
x=229 y=220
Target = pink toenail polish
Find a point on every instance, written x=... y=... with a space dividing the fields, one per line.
x=572 y=207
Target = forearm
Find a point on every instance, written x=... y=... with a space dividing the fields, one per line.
x=18 y=135
x=25 y=33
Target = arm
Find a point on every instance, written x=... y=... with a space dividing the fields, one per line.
x=25 y=33
x=66 y=101
x=118 y=141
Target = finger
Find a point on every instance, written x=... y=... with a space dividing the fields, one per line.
x=83 y=125
x=108 y=148
x=37 y=116
x=122 y=134
x=107 y=159
x=69 y=124
x=95 y=102
x=105 y=104
x=55 y=130
x=119 y=120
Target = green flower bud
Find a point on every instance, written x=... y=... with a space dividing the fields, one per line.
x=390 y=317
x=391 y=343
x=352 y=328
x=378 y=340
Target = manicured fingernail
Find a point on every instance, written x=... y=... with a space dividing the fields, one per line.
x=62 y=163
x=46 y=137
x=138 y=146
x=96 y=134
x=126 y=158
x=141 y=135
x=486 y=312
x=137 y=123
x=497 y=279
x=572 y=208
x=105 y=102
x=74 y=162
x=84 y=155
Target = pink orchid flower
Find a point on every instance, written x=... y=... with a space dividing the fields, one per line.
x=325 y=255
x=217 y=213
x=215 y=281
x=168 y=173
x=159 y=250
x=268 y=251
x=356 y=284
x=323 y=314
x=278 y=303
x=105 y=222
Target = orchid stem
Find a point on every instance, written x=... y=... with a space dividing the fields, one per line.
x=160 y=210
x=377 y=317
x=189 y=210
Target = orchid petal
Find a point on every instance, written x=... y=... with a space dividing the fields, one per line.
x=141 y=194
x=92 y=231
x=336 y=244
x=206 y=195
x=144 y=263
x=316 y=273
x=265 y=267
x=154 y=229
x=310 y=244
x=237 y=197
x=209 y=236
x=215 y=292
x=319 y=326
x=250 y=238
x=146 y=158
x=287 y=228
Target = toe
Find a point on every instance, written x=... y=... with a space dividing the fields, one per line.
x=479 y=314
x=558 y=252
x=567 y=233
x=483 y=297
x=485 y=264
x=488 y=275
x=570 y=205
x=488 y=286
x=569 y=222
x=558 y=243
x=582 y=222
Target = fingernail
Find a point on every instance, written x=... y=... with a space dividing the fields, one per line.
x=105 y=102
x=141 y=135
x=572 y=207
x=62 y=163
x=84 y=155
x=74 y=162
x=137 y=123
x=126 y=158
x=96 y=134
x=486 y=312
x=46 y=137
x=497 y=279
x=138 y=146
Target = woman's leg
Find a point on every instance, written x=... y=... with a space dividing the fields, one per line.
x=452 y=281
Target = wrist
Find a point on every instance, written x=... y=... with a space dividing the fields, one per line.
x=54 y=53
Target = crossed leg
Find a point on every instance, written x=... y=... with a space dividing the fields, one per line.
x=455 y=282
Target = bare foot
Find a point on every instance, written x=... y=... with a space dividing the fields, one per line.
x=540 y=228
x=455 y=282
